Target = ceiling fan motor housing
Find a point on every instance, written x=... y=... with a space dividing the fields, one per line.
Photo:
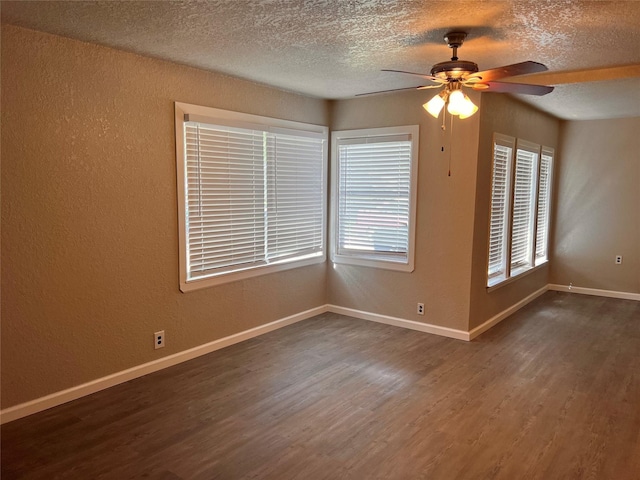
x=454 y=69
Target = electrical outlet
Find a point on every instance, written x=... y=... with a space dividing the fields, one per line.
x=618 y=259
x=158 y=339
x=421 y=309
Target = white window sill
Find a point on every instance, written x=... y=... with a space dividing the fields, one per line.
x=242 y=274
x=401 y=265
x=494 y=284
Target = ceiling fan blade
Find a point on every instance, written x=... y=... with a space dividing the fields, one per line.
x=508 y=87
x=618 y=72
x=398 y=90
x=423 y=75
x=522 y=68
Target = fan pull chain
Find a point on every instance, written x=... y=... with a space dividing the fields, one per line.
x=444 y=130
x=443 y=127
x=450 y=136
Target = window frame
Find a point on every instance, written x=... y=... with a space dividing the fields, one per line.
x=550 y=153
x=374 y=259
x=226 y=118
x=502 y=272
x=528 y=259
x=507 y=270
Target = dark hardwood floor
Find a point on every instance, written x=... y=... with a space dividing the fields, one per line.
x=553 y=392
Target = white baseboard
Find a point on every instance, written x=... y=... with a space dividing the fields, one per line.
x=505 y=313
x=73 y=393
x=401 y=322
x=595 y=291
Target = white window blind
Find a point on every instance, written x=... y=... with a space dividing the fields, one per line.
x=500 y=197
x=544 y=199
x=295 y=196
x=225 y=197
x=523 y=209
x=253 y=196
x=374 y=197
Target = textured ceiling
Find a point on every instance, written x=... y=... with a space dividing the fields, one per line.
x=337 y=48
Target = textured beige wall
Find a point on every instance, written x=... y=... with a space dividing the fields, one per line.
x=598 y=205
x=505 y=115
x=444 y=218
x=89 y=214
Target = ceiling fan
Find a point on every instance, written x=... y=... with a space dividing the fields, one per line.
x=456 y=73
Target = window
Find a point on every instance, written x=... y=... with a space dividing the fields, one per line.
x=251 y=193
x=500 y=188
x=544 y=197
x=523 y=213
x=374 y=183
x=520 y=202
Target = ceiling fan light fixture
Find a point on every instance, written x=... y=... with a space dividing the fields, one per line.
x=461 y=105
x=435 y=105
x=472 y=108
x=457 y=104
x=468 y=108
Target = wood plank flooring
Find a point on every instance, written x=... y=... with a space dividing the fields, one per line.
x=553 y=392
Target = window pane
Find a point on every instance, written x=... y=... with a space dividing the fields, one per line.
x=523 y=198
x=295 y=196
x=544 y=198
x=499 y=209
x=225 y=197
x=374 y=190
